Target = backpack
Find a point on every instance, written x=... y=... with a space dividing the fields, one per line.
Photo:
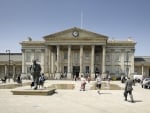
x=42 y=79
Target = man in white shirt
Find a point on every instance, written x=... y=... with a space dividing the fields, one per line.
x=98 y=83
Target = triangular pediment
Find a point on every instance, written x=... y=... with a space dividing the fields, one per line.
x=73 y=34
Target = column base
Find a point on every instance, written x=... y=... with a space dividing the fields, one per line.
x=47 y=75
x=81 y=74
x=69 y=76
x=57 y=76
x=92 y=76
x=52 y=76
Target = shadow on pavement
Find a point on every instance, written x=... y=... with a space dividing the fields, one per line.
x=135 y=101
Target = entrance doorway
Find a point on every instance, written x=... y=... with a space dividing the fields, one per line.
x=76 y=70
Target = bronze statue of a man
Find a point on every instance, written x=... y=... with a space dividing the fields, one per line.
x=35 y=72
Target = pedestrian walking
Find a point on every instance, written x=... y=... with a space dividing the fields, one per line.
x=128 y=89
x=83 y=83
x=98 y=83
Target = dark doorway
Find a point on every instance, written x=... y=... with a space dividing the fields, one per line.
x=76 y=70
x=149 y=72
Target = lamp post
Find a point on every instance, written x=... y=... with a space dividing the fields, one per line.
x=8 y=51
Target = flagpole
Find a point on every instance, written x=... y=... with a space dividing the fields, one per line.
x=81 y=19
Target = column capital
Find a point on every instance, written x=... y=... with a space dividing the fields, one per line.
x=104 y=46
x=69 y=46
x=81 y=46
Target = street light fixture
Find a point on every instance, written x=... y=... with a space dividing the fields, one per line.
x=8 y=51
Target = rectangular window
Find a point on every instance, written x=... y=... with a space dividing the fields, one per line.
x=65 y=55
x=76 y=57
x=87 y=69
x=28 y=57
x=108 y=68
x=97 y=58
x=38 y=56
x=117 y=57
x=87 y=56
x=108 y=57
x=65 y=69
x=127 y=57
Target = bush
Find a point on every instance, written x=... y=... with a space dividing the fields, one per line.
x=114 y=78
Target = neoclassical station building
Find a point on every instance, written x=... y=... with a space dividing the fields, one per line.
x=75 y=51
x=79 y=52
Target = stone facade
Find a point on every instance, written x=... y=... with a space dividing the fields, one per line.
x=142 y=65
x=77 y=51
x=13 y=68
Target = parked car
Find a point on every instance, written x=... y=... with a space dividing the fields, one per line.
x=146 y=83
x=137 y=78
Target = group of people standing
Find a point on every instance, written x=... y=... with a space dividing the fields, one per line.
x=83 y=82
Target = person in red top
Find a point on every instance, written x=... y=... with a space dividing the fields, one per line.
x=83 y=83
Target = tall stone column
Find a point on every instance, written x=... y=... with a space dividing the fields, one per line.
x=52 y=65
x=46 y=60
x=103 y=59
x=23 y=61
x=42 y=60
x=58 y=63
x=5 y=69
x=49 y=62
x=69 y=62
x=92 y=61
x=14 y=72
x=81 y=60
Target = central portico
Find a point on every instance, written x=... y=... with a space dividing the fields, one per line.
x=74 y=52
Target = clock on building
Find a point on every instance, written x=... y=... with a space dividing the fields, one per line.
x=75 y=33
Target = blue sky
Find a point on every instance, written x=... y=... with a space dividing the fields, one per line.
x=117 y=19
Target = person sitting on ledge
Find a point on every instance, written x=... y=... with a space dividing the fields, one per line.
x=4 y=79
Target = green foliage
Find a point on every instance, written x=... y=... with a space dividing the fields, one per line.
x=114 y=78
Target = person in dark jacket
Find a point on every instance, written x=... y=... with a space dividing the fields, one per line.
x=128 y=89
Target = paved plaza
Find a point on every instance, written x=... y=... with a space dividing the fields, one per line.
x=76 y=101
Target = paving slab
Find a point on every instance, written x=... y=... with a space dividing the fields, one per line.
x=76 y=101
